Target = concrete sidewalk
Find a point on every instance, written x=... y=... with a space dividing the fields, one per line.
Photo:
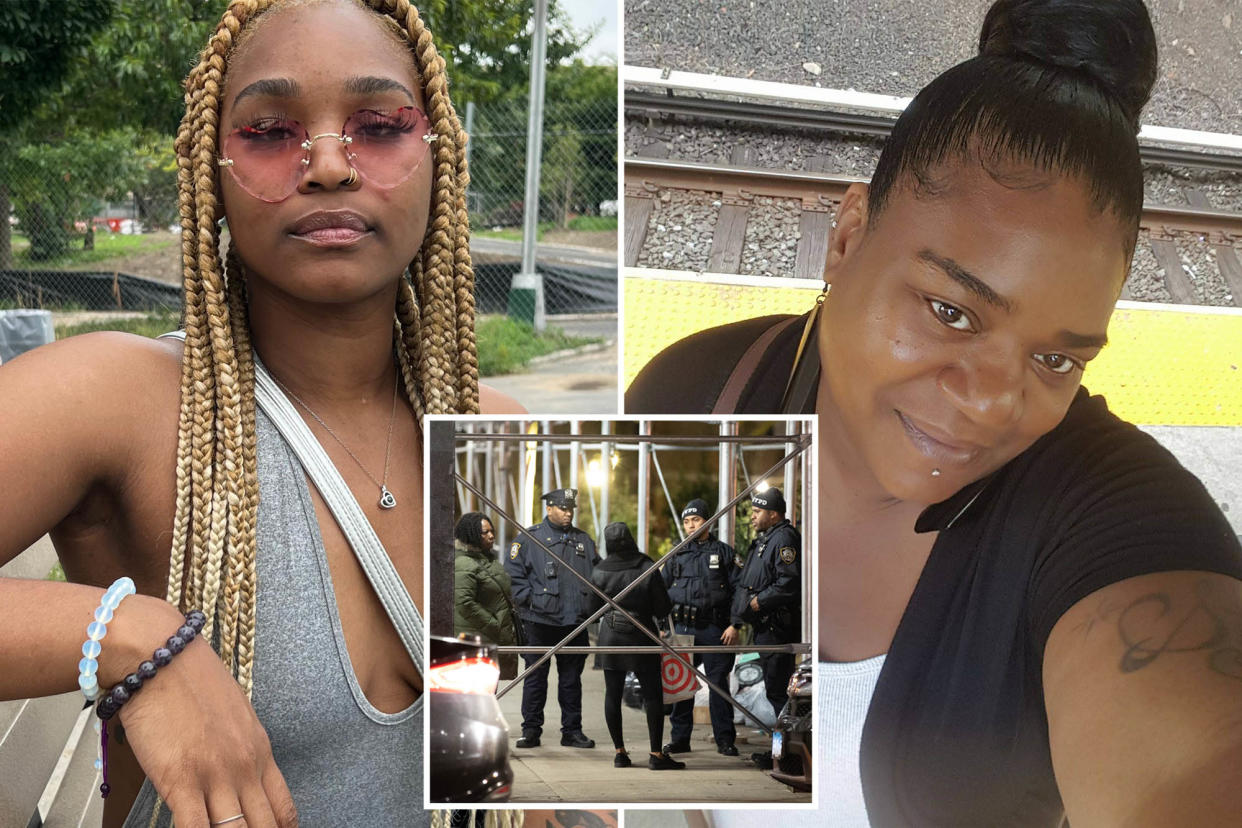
x=551 y=773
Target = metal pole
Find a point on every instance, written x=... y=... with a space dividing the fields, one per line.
x=575 y=449
x=549 y=481
x=471 y=470
x=440 y=527
x=526 y=293
x=672 y=508
x=724 y=486
x=606 y=467
x=644 y=485
x=788 y=489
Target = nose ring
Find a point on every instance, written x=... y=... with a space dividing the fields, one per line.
x=353 y=177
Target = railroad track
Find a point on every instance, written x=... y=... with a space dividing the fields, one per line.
x=689 y=216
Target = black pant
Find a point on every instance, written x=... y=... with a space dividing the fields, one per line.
x=568 y=679
x=652 y=690
x=777 y=668
x=717 y=667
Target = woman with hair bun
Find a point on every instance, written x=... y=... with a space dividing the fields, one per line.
x=323 y=134
x=1028 y=609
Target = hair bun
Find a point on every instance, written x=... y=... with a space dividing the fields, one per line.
x=1110 y=41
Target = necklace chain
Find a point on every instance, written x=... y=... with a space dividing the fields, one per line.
x=386 y=501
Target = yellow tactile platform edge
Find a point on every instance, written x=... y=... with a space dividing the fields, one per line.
x=1163 y=365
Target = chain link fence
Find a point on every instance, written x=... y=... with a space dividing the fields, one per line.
x=577 y=235
x=89 y=224
x=90 y=221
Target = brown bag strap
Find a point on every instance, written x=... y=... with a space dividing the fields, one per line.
x=727 y=402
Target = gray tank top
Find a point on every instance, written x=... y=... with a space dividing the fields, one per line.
x=346 y=763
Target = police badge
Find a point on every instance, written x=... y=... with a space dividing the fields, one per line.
x=514 y=550
x=788 y=554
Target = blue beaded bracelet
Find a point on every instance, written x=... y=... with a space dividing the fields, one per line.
x=115 y=698
x=95 y=631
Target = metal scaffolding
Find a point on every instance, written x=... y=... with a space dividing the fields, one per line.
x=529 y=436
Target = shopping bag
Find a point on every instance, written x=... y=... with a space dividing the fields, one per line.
x=680 y=682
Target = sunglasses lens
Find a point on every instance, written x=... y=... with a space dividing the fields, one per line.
x=267 y=158
x=387 y=147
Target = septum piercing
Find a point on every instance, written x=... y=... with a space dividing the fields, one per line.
x=935 y=472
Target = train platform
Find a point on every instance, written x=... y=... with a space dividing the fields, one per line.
x=552 y=773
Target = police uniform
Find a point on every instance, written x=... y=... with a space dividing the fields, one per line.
x=772 y=573
x=700 y=580
x=551 y=602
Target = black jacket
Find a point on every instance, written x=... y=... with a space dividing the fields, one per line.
x=542 y=592
x=647 y=602
x=773 y=574
x=703 y=576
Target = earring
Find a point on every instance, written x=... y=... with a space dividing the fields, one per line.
x=431 y=137
x=223 y=222
x=834 y=224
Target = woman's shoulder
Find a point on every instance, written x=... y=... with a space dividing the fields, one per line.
x=117 y=379
x=689 y=376
x=492 y=401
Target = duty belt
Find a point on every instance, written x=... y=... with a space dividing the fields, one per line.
x=693 y=616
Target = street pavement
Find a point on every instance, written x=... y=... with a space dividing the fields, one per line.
x=551 y=773
x=580 y=383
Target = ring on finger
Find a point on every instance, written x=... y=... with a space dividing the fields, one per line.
x=227 y=820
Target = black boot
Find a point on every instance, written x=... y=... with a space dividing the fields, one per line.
x=621 y=760
x=577 y=740
x=677 y=747
x=664 y=762
x=530 y=739
x=727 y=750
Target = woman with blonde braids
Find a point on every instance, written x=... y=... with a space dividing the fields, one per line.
x=348 y=279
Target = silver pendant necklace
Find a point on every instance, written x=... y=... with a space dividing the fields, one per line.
x=386 y=501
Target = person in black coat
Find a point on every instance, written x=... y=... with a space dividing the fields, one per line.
x=646 y=603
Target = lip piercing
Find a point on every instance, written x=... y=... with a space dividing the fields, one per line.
x=353 y=177
x=935 y=472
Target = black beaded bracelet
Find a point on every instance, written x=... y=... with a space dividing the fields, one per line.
x=111 y=702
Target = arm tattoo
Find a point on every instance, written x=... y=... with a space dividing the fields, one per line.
x=1211 y=624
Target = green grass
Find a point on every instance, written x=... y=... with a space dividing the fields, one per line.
x=107 y=246
x=152 y=325
x=593 y=223
x=507 y=345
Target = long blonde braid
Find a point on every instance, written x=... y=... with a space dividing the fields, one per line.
x=212 y=564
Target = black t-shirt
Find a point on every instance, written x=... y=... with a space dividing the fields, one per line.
x=956 y=734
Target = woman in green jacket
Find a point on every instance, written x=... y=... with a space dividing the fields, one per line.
x=482 y=597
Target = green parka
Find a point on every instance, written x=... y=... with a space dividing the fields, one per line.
x=483 y=602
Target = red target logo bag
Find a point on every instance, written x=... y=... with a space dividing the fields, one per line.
x=680 y=681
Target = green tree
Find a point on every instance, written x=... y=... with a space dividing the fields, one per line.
x=39 y=41
x=486 y=45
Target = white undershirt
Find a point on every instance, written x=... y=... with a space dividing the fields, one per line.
x=844 y=691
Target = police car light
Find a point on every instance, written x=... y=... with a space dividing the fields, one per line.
x=473 y=675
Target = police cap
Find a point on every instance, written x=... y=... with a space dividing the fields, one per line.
x=564 y=498
x=698 y=506
x=771 y=499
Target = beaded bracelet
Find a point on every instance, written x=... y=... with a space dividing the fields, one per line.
x=95 y=631
x=112 y=702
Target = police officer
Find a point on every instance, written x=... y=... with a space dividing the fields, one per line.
x=700 y=581
x=769 y=591
x=551 y=602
